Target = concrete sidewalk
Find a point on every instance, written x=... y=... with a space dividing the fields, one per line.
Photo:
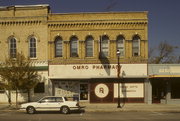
x=112 y=107
x=131 y=107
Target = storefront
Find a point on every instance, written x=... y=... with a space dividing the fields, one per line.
x=165 y=83
x=97 y=83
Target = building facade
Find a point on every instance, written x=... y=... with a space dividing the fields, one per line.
x=76 y=53
x=24 y=29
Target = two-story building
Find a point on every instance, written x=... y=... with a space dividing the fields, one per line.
x=83 y=59
x=76 y=53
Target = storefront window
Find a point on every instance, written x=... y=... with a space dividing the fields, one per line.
x=39 y=88
x=175 y=89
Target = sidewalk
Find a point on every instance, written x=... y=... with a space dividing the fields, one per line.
x=131 y=107
x=112 y=107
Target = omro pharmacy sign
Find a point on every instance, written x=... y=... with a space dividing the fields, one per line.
x=95 y=71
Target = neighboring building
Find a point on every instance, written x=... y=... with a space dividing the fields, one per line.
x=24 y=29
x=165 y=83
x=76 y=52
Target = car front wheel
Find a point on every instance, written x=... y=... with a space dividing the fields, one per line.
x=65 y=110
x=30 y=110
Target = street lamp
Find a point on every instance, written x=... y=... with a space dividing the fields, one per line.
x=118 y=76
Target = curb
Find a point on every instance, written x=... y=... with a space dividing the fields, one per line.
x=110 y=111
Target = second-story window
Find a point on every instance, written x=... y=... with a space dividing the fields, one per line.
x=136 y=46
x=32 y=47
x=120 y=45
x=74 y=46
x=12 y=47
x=58 y=46
x=104 y=46
x=89 y=46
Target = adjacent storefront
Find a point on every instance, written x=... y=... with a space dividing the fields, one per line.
x=165 y=83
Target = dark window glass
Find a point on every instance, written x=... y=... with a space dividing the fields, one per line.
x=175 y=87
x=59 y=99
x=39 y=88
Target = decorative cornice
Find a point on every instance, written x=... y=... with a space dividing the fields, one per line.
x=85 y=24
x=8 y=23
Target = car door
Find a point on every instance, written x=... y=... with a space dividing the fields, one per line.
x=43 y=104
x=54 y=104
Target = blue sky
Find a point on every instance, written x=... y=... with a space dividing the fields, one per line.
x=164 y=17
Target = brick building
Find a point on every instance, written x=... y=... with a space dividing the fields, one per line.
x=76 y=52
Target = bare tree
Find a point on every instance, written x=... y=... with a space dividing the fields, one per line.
x=164 y=54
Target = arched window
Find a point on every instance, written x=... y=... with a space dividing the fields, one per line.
x=89 y=46
x=120 y=45
x=136 y=46
x=74 y=46
x=104 y=46
x=58 y=46
x=32 y=47
x=12 y=47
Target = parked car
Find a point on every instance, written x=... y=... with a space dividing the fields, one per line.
x=51 y=103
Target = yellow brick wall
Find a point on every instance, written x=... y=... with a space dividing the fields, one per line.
x=81 y=25
x=23 y=21
x=21 y=27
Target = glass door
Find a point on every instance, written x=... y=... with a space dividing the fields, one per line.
x=83 y=91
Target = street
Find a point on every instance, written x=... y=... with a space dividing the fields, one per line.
x=90 y=116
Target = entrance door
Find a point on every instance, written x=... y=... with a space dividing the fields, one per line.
x=158 y=90
x=83 y=91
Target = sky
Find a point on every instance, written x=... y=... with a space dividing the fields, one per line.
x=163 y=15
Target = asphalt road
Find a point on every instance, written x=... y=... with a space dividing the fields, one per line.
x=98 y=116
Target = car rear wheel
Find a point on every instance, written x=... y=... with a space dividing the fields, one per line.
x=30 y=110
x=65 y=110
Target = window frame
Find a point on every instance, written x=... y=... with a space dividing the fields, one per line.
x=34 y=48
x=74 y=54
x=13 y=53
x=58 y=39
x=91 y=39
x=104 y=38
x=118 y=39
x=137 y=39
